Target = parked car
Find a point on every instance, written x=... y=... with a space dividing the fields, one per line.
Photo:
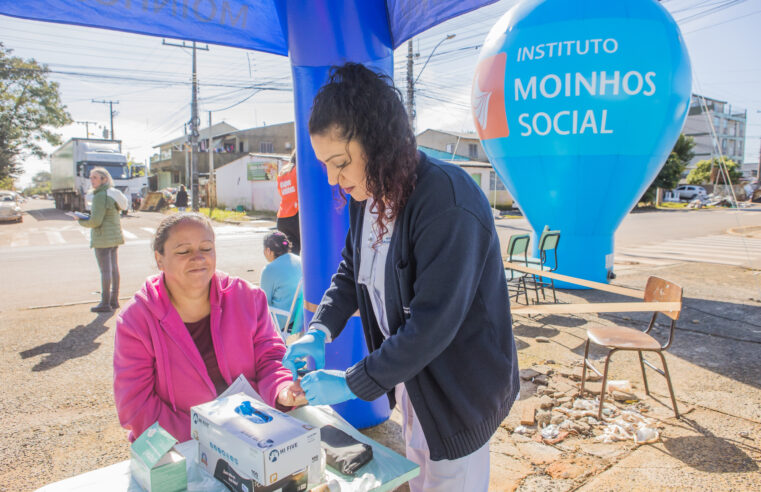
x=10 y=208
x=690 y=192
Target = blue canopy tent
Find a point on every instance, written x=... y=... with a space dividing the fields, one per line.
x=315 y=34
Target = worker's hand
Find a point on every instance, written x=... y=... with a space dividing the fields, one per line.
x=326 y=387
x=313 y=345
x=292 y=396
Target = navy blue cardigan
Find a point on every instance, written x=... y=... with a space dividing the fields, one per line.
x=448 y=311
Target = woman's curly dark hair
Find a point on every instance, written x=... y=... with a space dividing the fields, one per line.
x=365 y=106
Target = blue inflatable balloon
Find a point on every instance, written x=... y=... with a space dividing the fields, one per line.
x=578 y=105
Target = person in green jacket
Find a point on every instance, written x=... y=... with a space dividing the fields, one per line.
x=105 y=238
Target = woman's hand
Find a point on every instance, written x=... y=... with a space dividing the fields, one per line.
x=312 y=344
x=326 y=387
x=292 y=396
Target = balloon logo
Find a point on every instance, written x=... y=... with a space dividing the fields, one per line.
x=578 y=105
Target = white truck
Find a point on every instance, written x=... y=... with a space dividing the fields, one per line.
x=70 y=167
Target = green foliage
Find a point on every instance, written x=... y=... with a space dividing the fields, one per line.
x=709 y=171
x=672 y=170
x=7 y=183
x=40 y=184
x=30 y=108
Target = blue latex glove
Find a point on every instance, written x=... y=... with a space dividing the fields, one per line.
x=312 y=344
x=326 y=387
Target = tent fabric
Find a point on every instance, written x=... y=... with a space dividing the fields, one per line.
x=408 y=18
x=258 y=25
x=251 y=24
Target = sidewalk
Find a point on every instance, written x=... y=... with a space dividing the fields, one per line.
x=59 y=419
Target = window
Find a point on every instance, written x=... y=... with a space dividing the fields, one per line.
x=450 y=148
x=473 y=151
x=476 y=177
x=495 y=183
x=266 y=147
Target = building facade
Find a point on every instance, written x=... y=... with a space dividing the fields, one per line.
x=465 y=150
x=171 y=164
x=718 y=130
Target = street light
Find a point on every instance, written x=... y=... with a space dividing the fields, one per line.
x=449 y=36
x=411 y=83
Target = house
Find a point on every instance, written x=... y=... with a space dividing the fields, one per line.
x=250 y=182
x=465 y=150
x=171 y=165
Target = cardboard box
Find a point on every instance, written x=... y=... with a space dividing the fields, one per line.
x=155 y=464
x=254 y=440
x=223 y=471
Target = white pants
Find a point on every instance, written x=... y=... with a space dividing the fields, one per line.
x=467 y=474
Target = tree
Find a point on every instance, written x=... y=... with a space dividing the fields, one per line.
x=7 y=183
x=709 y=171
x=30 y=108
x=41 y=178
x=672 y=170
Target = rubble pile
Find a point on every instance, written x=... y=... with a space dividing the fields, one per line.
x=557 y=412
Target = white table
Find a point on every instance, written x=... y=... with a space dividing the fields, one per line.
x=387 y=466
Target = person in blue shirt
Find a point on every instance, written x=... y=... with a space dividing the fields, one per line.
x=281 y=278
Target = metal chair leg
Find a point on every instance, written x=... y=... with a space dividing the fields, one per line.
x=525 y=289
x=604 y=384
x=584 y=370
x=668 y=380
x=644 y=375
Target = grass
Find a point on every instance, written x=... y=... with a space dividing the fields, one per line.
x=217 y=214
x=673 y=205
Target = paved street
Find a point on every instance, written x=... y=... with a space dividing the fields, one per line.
x=48 y=260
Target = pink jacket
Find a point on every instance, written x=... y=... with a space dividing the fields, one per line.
x=159 y=373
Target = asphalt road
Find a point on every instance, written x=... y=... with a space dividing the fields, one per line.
x=46 y=260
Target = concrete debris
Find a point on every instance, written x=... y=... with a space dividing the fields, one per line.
x=546 y=402
x=646 y=435
x=541 y=379
x=550 y=432
x=622 y=385
x=542 y=340
x=528 y=374
x=543 y=418
x=522 y=429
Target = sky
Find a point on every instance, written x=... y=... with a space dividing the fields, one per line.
x=151 y=81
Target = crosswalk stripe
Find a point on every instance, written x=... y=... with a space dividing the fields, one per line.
x=718 y=249
x=54 y=237
x=128 y=235
x=149 y=230
x=20 y=239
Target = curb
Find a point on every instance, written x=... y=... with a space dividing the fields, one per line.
x=747 y=231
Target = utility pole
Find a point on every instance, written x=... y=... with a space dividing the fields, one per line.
x=87 y=126
x=410 y=86
x=111 y=113
x=194 y=122
x=412 y=81
x=212 y=175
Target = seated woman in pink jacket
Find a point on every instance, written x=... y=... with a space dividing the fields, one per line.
x=189 y=332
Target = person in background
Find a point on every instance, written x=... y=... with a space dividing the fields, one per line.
x=191 y=331
x=422 y=263
x=288 y=213
x=281 y=279
x=181 y=200
x=105 y=238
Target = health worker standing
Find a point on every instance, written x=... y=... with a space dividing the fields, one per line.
x=422 y=264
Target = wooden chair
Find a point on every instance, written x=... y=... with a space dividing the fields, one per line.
x=517 y=252
x=621 y=338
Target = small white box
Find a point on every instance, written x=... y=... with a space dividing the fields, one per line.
x=256 y=440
